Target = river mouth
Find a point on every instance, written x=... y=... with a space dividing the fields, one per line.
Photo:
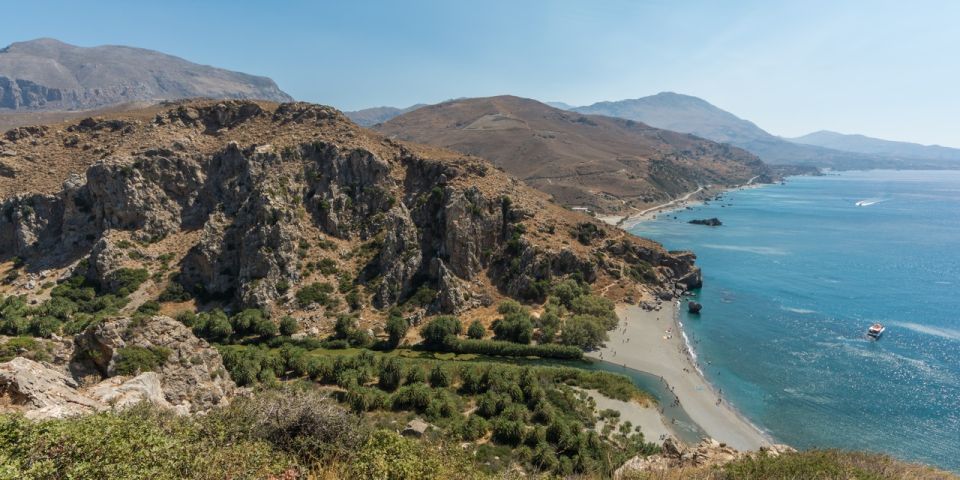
x=674 y=416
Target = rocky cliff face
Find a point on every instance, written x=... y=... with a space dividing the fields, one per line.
x=247 y=199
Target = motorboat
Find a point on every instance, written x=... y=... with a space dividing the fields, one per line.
x=876 y=330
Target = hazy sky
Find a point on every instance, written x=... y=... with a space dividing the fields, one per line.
x=885 y=69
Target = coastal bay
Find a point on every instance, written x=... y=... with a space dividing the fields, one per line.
x=792 y=280
x=652 y=342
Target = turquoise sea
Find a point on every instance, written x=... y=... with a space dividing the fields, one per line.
x=792 y=280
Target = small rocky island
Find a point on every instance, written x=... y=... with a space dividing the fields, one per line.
x=710 y=222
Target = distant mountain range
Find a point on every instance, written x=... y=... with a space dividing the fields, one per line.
x=372 y=116
x=604 y=163
x=48 y=75
x=876 y=146
x=684 y=113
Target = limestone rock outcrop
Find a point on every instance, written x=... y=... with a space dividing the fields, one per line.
x=42 y=392
x=707 y=453
x=192 y=376
x=253 y=191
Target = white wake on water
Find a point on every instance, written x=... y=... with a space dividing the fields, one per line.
x=803 y=311
x=948 y=333
x=759 y=250
x=870 y=201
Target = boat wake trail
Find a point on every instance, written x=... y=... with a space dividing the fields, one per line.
x=948 y=333
x=870 y=201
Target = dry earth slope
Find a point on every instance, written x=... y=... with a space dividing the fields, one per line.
x=606 y=164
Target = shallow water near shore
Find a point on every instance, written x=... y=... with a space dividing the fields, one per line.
x=685 y=429
x=793 y=279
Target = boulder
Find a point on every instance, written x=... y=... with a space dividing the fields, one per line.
x=192 y=377
x=416 y=428
x=42 y=392
x=694 y=307
x=710 y=222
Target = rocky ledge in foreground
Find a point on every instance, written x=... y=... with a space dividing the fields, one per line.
x=675 y=455
x=117 y=364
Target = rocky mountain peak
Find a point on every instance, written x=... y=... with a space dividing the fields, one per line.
x=47 y=74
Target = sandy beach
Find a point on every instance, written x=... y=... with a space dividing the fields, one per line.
x=693 y=198
x=642 y=342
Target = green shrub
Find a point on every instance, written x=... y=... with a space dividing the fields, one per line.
x=437 y=330
x=44 y=326
x=388 y=456
x=415 y=374
x=423 y=297
x=396 y=328
x=440 y=377
x=249 y=365
x=412 y=397
x=214 y=326
x=318 y=292
x=149 y=308
x=23 y=347
x=597 y=307
x=127 y=280
x=174 y=293
x=327 y=266
x=476 y=331
x=509 y=432
x=288 y=326
x=143 y=443
x=514 y=327
x=134 y=360
x=510 y=349
x=390 y=375
x=473 y=428
x=584 y=331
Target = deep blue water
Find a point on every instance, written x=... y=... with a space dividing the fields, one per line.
x=793 y=279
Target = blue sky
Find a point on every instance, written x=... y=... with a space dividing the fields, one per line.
x=881 y=68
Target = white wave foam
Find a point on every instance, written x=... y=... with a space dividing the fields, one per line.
x=799 y=310
x=948 y=333
x=749 y=249
x=870 y=201
x=689 y=347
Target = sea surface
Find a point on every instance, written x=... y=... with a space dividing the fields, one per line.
x=792 y=280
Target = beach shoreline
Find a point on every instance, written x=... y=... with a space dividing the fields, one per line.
x=691 y=199
x=654 y=342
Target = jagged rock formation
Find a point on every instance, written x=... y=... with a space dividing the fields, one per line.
x=50 y=75
x=41 y=391
x=191 y=378
x=244 y=200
